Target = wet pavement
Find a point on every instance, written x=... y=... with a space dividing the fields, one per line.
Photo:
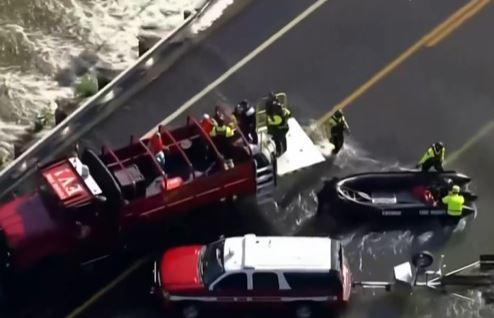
x=443 y=92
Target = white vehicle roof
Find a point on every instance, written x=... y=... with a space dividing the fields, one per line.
x=277 y=253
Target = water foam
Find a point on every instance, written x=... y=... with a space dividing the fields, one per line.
x=43 y=40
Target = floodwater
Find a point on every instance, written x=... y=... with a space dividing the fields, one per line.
x=46 y=45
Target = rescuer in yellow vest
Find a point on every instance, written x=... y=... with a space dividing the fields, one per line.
x=454 y=200
x=221 y=130
x=433 y=157
x=277 y=117
x=222 y=135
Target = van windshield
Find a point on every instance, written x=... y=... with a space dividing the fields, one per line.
x=212 y=261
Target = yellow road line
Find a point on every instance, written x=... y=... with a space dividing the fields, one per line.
x=472 y=141
x=239 y=64
x=76 y=312
x=460 y=17
x=395 y=63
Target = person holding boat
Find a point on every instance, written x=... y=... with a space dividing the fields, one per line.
x=433 y=157
x=454 y=201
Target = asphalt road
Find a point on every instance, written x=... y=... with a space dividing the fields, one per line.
x=443 y=92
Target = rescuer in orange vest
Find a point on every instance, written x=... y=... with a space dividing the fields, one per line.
x=158 y=149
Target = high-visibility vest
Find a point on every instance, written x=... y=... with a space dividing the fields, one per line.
x=454 y=203
x=432 y=153
x=279 y=121
x=223 y=130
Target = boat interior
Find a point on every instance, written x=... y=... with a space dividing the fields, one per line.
x=189 y=153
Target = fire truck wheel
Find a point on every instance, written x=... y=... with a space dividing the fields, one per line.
x=303 y=310
x=190 y=310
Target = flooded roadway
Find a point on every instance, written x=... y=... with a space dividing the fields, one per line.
x=439 y=92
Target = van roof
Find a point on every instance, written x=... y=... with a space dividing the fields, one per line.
x=287 y=253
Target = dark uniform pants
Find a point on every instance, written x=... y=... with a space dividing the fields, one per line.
x=432 y=162
x=224 y=146
x=337 y=139
x=250 y=133
x=279 y=138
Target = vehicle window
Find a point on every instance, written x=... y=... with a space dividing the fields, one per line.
x=328 y=281
x=211 y=266
x=237 y=282
x=265 y=281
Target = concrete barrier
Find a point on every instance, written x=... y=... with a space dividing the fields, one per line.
x=80 y=121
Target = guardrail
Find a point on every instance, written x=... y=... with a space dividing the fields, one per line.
x=76 y=124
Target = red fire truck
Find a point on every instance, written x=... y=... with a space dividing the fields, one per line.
x=85 y=204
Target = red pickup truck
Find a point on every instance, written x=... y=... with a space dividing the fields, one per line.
x=86 y=203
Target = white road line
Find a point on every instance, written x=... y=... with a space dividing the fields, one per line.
x=239 y=64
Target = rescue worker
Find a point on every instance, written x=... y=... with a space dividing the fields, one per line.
x=158 y=149
x=222 y=135
x=337 y=127
x=271 y=100
x=244 y=117
x=277 y=117
x=454 y=201
x=220 y=129
x=433 y=157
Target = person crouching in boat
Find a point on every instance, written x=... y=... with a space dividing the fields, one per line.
x=433 y=157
